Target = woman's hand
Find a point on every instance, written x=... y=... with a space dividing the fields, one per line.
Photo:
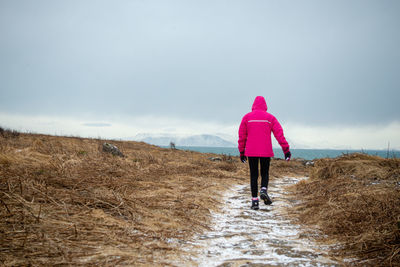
x=243 y=158
x=288 y=155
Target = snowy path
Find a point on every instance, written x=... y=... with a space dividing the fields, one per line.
x=244 y=237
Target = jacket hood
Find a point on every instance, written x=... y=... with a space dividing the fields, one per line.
x=259 y=104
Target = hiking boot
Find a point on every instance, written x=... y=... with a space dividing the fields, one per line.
x=264 y=196
x=254 y=205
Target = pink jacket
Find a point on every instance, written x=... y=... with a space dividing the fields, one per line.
x=255 y=131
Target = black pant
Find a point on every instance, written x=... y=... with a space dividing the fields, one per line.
x=253 y=163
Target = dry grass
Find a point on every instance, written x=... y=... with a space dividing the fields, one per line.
x=355 y=201
x=65 y=202
x=296 y=167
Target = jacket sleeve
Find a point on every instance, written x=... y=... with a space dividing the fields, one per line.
x=242 y=135
x=278 y=133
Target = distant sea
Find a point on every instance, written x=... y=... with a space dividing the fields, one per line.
x=308 y=154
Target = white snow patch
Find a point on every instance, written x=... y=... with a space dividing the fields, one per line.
x=241 y=236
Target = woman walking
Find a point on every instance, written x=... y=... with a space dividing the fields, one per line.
x=255 y=144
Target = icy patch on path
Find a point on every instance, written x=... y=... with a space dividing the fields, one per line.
x=244 y=237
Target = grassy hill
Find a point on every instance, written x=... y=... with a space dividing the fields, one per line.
x=355 y=201
x=65 y=201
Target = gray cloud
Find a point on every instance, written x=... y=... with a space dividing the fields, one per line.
x=96 y=124
x=316 y=62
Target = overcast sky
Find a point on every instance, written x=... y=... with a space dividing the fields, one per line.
x=118 y=68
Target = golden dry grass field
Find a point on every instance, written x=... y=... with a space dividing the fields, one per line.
x=355 y=201
x=64 y=201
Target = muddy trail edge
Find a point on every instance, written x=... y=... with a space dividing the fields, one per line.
x=240 y=236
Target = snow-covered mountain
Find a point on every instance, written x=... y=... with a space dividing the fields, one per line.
x=193 y=140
